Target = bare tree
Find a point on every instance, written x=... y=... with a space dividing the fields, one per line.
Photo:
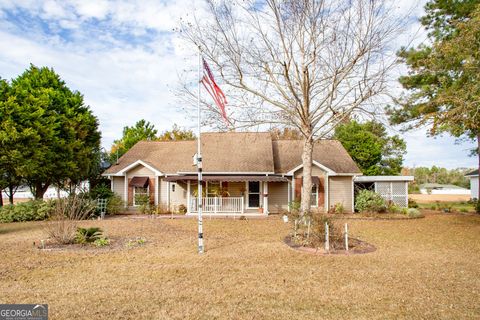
x=302 y=64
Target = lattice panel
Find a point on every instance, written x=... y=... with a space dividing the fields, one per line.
x=393 y=191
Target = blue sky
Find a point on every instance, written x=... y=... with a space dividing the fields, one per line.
x=125 y=59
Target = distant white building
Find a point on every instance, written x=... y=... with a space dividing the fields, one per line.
x=436 y=188
x=474 y=183
x=23 y=192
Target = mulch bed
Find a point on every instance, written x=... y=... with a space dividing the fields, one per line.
x=356 y=246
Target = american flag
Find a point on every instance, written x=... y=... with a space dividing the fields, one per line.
x=213 y=89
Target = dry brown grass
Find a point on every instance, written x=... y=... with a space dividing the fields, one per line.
x=431 y=198
x=426 y=268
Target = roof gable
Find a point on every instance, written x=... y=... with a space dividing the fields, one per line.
x=329 y=153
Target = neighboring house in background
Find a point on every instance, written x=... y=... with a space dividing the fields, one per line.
x=474 y=183
x=436 y=188
x=244 y=173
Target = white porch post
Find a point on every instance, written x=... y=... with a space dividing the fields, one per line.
x=156 y=190
x=168 y=195
x=125 y=190
x=289 y=194
x=265 y=198
x=188 y=196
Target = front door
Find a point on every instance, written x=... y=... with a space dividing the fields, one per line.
x=253 y=194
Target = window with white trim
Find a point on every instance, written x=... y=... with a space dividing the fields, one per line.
x=141 y=195
x=314 y=197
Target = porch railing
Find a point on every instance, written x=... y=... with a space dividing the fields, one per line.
x=214 y=205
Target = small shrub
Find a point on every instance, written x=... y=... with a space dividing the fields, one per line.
x=101 y=242
x=338 y=208
x=477 y=206
x=65 y=216
x=414 y=213
x=464 y=210
x=412 y=203
x=182 y=209
x=393 y=208
x=294 y=205
x=136 y=242
x=115 y=204
x=88 y=235
x=433 y=207
x=369 y=201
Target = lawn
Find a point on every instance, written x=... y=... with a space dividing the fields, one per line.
x=422 y=268
x=458 y=206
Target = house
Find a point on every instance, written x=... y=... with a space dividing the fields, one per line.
x=244 y=173
x=436 y=188
x=474 y=183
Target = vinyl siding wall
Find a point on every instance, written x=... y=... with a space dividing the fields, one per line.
x=277 y=196
x=340 y=191
x=119 y=187
x=474 y=187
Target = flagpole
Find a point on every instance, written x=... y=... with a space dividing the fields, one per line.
x=199 y=164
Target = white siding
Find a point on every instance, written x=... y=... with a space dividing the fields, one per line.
x=277 y=196
x=119 y=186
x=340 y=191
x=474 y=187
x=140 y=171
x=179 y=196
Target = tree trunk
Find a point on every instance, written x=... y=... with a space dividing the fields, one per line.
x=10 y=194
x=40 y=190
x=307 y=175
x=1 y=198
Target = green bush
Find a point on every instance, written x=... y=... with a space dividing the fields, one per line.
x=477 y=206
x=369 y=201
x=101 y=192
x=33 y=210
x=414 y=213
x=101 y=242
x=115 y=204
x=338 y=208
x=88 y=235
x=412 y=203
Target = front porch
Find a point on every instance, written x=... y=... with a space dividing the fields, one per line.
x=231 y=195
x=221 y=206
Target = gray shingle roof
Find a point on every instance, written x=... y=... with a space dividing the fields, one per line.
x=235 y=152
x=473 y=173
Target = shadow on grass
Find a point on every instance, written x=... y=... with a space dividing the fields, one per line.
x=19 y=226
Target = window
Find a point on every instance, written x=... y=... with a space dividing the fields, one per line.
x=314 y=198
x=253 y=194
x=140 y=196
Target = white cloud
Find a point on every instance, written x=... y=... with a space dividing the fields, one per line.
x=124 y=58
